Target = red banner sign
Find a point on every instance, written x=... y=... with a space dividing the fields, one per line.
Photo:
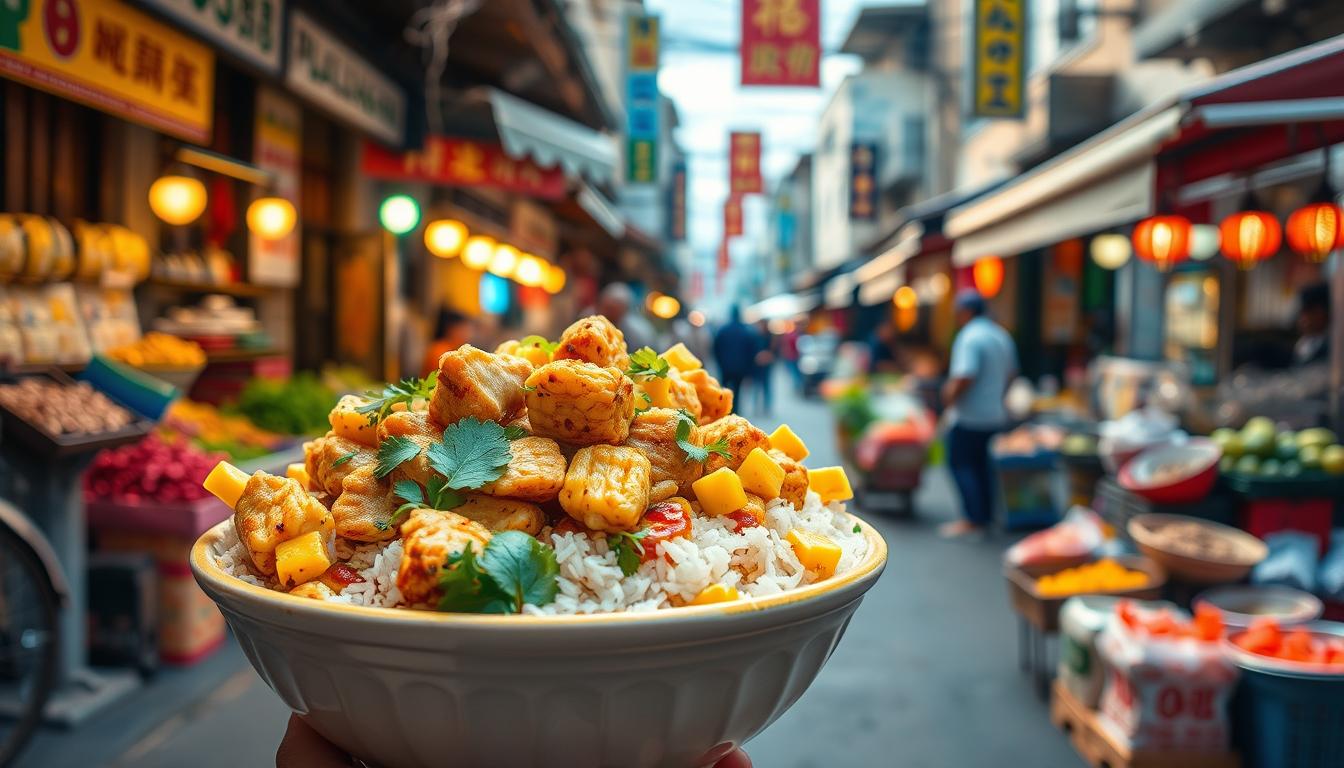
x=732 y=218
x=463 y=163
x=781 y=42
x=744 y=163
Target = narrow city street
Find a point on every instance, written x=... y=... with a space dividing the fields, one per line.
x=926 y=674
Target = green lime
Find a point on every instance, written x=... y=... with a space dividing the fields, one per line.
x=1233 y=447
x=1270 y=468
x=1248 y=465
x=1285 y=446
x=1227 y=464
x=1318 y=436
x=1291 y=468
x=1310 y=456
x=1332 y=459
x=1259 y=425
x=1222 y=435
x=1258 y=443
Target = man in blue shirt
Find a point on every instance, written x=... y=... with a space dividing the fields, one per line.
x=984 y=361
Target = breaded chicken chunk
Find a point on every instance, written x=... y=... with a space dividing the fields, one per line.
x=348 y=422
x=532 y=353
x=794 y=489
x=364 y=510
x=580 y=403
x=273 y=510
x=716 y=400
x=607 y=487
x=477 y=383
x=419 y=429
x=430 y=537
x=596 y=340
x=503 y=514
x=670 y=391
x=654 y=433
x=740 y=435
x=329 y=458
x=535 y=473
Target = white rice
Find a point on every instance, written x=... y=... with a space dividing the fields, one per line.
x=758 y=561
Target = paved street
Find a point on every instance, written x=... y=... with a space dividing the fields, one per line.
x=926 y=675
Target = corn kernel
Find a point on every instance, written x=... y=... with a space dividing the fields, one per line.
x=816 y=552
x=715 y=593
x=302 y=558
x=830 y=483
x=226 y=482
x=786 y=440
x=681 y=358
x=761 y=474
x=298 y=472
x=720 y=492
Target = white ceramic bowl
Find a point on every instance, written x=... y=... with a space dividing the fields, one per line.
x=403 y=689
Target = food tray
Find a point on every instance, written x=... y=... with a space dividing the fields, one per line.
x=1043 y=612
x=1308 y=485
x=58 y=446
x=1099 y=747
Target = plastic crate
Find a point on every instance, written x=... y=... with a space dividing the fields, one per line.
x=1290 y=721
x=1262 y=517
x=1116 y=506
x=1026 y=491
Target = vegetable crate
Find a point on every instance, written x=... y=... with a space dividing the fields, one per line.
x=1099 y=747
x=1261 y=517
x=1290 y=721
x=1117 y=506
x=1026 y=486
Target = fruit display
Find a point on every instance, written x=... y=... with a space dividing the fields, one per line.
x=1079 y=444
x=1206 y=626
x=295 y=406
x=156 y=469
x=1260 y=449
x=1102 y=576
x=1029 y=440
x=214 y=430
x=159 y=350
x=63 y=409
x=1266 y=638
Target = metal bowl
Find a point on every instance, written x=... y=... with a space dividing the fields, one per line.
x=1242 y=605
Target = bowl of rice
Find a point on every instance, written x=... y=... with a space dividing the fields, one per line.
x=509 y=563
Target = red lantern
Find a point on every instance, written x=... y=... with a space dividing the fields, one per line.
x=1163 y=240
x=988 y=276
x=1316 y=229
x=1250 y=237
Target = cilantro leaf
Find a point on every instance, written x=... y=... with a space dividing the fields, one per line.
x=647 y=399
x=442 y=497
x=522 y=568
x=646 y=364
x=392 y=452
x=343 y=459
x=468 y=589
x=685 y=423
x=857 y=529
x=629 y=550
x=471 y=454
x=406 y=391
x=539 y=341
x=439 y=497
x=409 y=490
x=514 y=432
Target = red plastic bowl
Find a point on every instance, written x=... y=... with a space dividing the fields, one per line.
x=1198 y=459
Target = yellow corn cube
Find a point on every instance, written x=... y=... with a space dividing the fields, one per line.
x=351 y=424
x=786 y=440
x=761 y=474
x=681 y=358
x=715 y=593
x=226 y=482
x=816 y=552
x=720 y=492
x=830 y=483
x=298 y=472
x=302 y=558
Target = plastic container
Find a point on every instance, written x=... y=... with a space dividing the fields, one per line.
x=1241 y=605
x=1197 y=463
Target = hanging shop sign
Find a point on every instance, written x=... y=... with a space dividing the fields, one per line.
x=111 y=57
x=463 y=163
x=676 y=204
x=863 y=181
x=533 y=230
x=328 y=73
x=249 y=30
x=781 y=42
x=999 y=51
x=641 y=84
x=276 y=147
x=1062 y=291
x=744 y=163
x=732 y=217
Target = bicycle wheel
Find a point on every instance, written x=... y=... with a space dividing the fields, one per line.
x=29 y=644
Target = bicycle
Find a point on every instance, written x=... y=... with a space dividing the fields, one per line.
x=32 y=591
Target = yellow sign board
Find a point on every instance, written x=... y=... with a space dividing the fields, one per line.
x=107 y=55
x=1000 y=56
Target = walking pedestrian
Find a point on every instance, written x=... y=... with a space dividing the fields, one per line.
x=735 y=348
x=983 y=363
x=761 y=376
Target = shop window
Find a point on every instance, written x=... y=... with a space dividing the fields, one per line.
x=1192 y=299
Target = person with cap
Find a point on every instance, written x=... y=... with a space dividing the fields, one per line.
x=984 y=361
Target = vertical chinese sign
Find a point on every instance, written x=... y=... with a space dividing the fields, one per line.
x=999 y=68
x=276 y=147
x=781 y=42
x=641 y=82
x=732 y=217
x=863 y=181
x=744 y=163
x=676 y=204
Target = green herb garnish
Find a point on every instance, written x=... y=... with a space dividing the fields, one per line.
x=514 y=570
x=393 y=452
x=539 y=341
x=526 y=388
x=646 y=364
x=436 y=495
x=343 y=459
x=514 y=432
x=857 y=529
x=628 y=548
x=406 y=391
x=471 y=454
x=685 y=423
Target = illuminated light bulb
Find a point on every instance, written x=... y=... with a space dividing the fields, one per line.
x=399 y=214
x=271 y=217
x=504 y=260
x=665 y=307
x=445 y=237
x=1111 y=251
x=478 y=251
x=178 y=200
x=555 y=280
x=905 y=298
x=531 y=271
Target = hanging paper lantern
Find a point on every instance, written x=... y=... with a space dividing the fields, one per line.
x=271 y=217
x=1111 y=251
x=1250 y=237
x=1316 y=229
x=178 y=200
x=445 y=237
x=988 y=276
x=1162 y=240
x=1205 y=240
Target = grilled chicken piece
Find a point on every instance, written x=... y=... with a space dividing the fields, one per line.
x=741 y=436
x=503 y=514
x=348 y=422
x=716 y=400
x=274 y=509
x=671 y=391
x=794 y=489
x=595 y=340
x=419 y=429
x=329 y=458
x=654 y=433
x=363 y=511
x=430 y=537
x=580 y=403
x=477 y=383
x=607 y=487
x=535 y=473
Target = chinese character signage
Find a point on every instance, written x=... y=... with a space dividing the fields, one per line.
x=111 y=57
x=276 y=147
x=676 y=204
x=249 y=29
x=999 y=69
x=328 y=73
x=863 y=181
x=732 y=217
x=744 y=163
x=781 y=42
x=463 y=163
x=641 y=82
